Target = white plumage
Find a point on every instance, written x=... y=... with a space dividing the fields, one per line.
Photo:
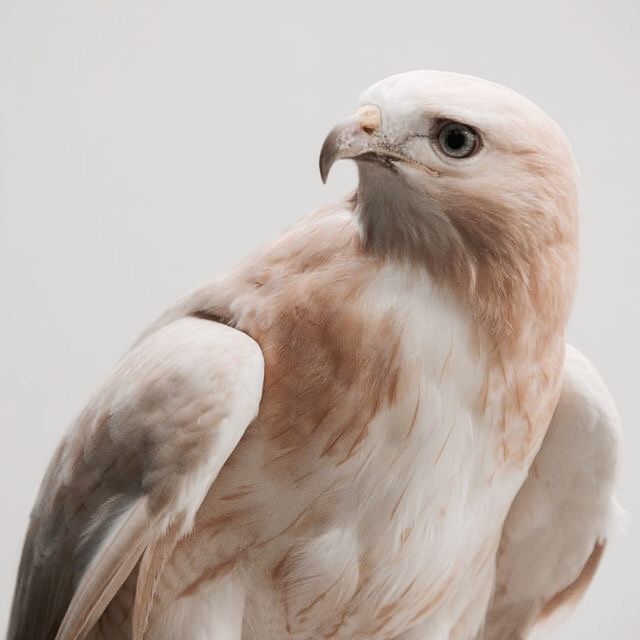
x=325 y=441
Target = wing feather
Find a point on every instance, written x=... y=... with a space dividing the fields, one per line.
x=555 y=533
x=113 y=564
x=138 y=461
x=153 y=561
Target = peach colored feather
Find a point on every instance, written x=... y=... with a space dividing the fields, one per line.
x=412 y=338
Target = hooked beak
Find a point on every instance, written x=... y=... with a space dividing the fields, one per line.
x=355 y=136
x=360 y=136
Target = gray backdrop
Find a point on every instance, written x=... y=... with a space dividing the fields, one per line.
x=146 y=145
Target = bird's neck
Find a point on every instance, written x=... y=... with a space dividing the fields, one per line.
x=519 y=286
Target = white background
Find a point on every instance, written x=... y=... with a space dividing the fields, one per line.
x=146 y=145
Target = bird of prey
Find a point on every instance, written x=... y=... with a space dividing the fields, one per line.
x=369 y=429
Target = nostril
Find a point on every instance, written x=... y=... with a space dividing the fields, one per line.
x=369 y=118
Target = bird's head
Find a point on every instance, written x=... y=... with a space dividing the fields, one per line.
x=469 y=179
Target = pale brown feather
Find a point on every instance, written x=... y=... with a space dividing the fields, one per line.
x=106 y=575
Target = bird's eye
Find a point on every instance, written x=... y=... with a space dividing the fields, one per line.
x=458 y=140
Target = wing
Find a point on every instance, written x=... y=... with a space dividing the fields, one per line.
x=557 y=528
x=132 y=470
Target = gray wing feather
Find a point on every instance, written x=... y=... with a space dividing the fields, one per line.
x=59 y=544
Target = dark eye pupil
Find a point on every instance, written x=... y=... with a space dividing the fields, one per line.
x=456 y=139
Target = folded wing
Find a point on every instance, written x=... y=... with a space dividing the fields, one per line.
x=134 y=468
x=557 y=528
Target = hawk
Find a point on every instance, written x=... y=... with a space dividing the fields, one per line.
x=370 y=428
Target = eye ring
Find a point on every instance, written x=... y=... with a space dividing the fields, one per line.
x=457 y=140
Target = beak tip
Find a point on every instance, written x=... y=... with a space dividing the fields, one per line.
x=348 y=139
x=327 y=158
